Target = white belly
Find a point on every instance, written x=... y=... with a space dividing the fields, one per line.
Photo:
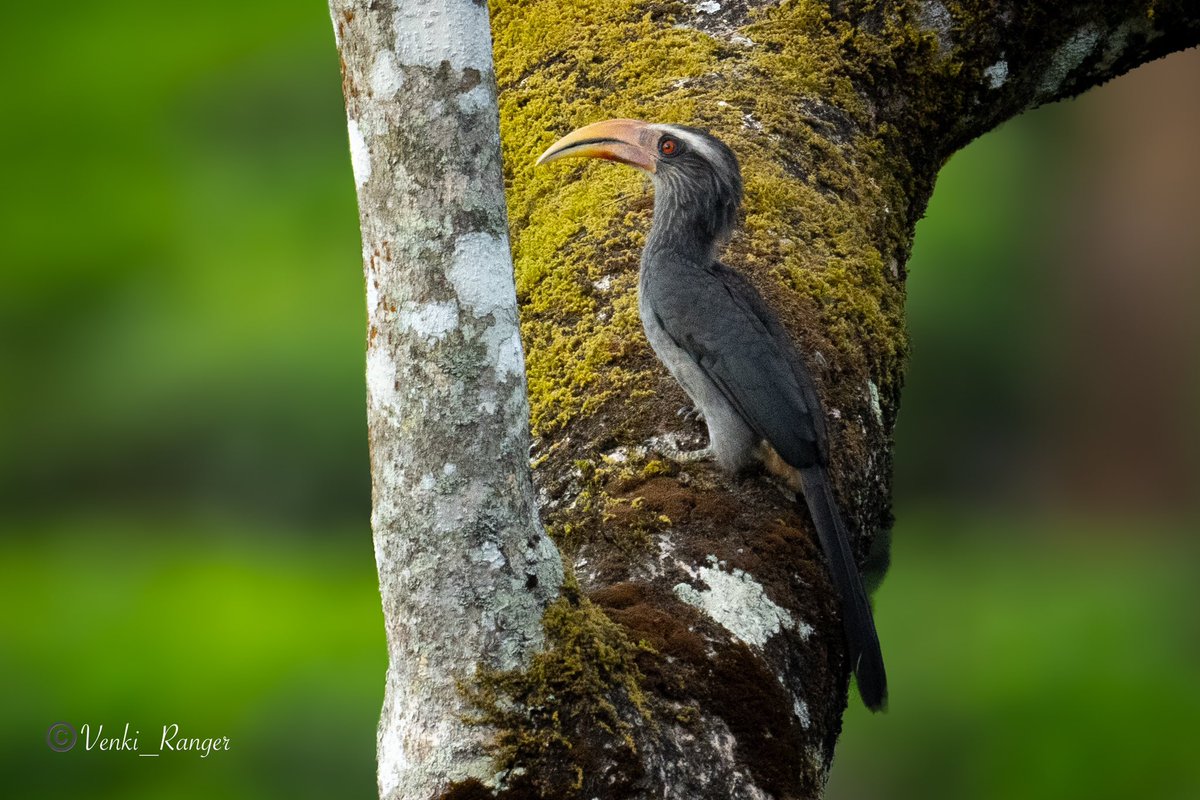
x=732 y=440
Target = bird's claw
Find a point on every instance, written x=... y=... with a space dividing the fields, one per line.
x=690 y=414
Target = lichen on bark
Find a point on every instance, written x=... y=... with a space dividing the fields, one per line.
x=465 y=569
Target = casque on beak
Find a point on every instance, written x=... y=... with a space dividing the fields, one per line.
x=629 y=141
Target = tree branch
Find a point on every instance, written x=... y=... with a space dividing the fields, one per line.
x=980 y=62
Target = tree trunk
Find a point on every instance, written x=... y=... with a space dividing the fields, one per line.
x=696 y=650
x=465 y=569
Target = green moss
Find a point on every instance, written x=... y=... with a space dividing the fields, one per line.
x=584 y=687
x=817 y=218
x=570 y=233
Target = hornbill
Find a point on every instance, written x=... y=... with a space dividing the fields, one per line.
x=715 y=334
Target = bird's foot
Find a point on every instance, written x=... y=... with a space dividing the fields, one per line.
x=690 y=414
x=667 y=445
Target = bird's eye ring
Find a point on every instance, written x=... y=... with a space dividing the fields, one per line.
x=668 y=146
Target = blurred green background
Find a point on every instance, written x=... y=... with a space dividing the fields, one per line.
x=183 y=477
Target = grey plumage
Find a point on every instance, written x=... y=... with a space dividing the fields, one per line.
x=721 y=342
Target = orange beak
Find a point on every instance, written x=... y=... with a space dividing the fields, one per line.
x=628 y=141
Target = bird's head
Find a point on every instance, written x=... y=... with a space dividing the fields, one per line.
x=695 y=174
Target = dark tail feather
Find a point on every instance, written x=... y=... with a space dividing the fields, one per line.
x=861 y=639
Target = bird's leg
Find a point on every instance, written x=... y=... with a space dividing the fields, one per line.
x=668 y=445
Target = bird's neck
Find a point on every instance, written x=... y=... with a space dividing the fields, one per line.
x=688 y=230
x=680 y=231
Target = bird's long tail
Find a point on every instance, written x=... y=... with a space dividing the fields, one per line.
x=866 y=659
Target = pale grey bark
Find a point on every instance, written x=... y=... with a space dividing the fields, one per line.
x=465 y=569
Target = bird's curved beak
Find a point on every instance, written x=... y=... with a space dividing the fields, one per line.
x=629 y=141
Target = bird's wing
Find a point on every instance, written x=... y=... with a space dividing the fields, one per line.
x=724 y=324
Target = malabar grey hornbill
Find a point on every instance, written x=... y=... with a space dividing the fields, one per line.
x=725 y=347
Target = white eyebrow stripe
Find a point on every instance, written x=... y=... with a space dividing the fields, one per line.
x=697 y=143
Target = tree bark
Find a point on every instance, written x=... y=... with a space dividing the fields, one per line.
x=696 y=651
x=465 y=569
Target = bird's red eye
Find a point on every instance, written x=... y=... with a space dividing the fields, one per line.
x=668 y=146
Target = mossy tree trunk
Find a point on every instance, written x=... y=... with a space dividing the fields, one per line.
x=696 y=650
